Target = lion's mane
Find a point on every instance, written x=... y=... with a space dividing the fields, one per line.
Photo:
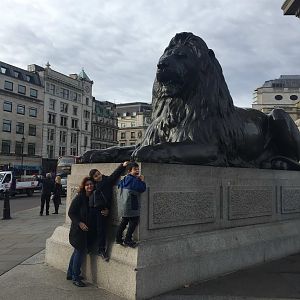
x=203 y=111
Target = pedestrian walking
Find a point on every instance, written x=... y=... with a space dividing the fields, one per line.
x=56 y=196
x=47 y=189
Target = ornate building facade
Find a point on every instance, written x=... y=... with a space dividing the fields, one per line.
x=21 y=116
x=133 y=120
x=283 y=92
x=104 y=125
x=67 y=112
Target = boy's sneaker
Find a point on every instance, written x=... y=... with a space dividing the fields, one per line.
x=103 y=255
x=79 y=283
x=131 y=244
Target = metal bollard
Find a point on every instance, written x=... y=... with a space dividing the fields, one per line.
x=6 y=206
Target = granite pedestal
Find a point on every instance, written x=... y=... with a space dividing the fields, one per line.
x=196 y=223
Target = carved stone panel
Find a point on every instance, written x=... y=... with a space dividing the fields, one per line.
x=290 y=200
x=250 y=202
x=177 y=208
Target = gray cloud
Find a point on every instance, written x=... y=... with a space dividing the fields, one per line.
x=119 y=42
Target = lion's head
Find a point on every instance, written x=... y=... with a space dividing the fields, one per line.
x=189 y=90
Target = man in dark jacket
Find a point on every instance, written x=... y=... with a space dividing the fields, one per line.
x=100 y=203
x=47 y=189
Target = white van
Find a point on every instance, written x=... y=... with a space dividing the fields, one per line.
x=22 y=185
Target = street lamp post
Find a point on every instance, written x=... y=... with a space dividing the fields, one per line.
x=77 y=140
x=22 y=153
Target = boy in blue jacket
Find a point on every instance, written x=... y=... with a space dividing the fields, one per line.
x=131 y=187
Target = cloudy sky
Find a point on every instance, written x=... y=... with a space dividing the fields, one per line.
x=119 y=42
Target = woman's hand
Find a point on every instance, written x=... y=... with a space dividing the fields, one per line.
x=83 y=227
x=104 y=212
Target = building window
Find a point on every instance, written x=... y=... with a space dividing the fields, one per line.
x=73 y=138
x=74 y=123
x=32 y=130
x=3 y=70
x=62 y=136
x=123 y=125
x=74 y=96
x=86 y=114
x=132 y=144
x=28 y=78
x=5 y=149
x=75 y=109
x=64 y=93
x=85 y=141
x=62 y=151
x=294 y=97
x=20 y=128
x=123 y=135
x=122 y=144
x=51 y=118
x=132 y=124
x=21 y=89
x=86 y=126
x=87 y=101
x=21 y=109
x=19 y=148
x=133 y=135
x=33 y=93
x=63 y=121
x=8 y=85
x=52 y=89
x=50 y=134
x=63 y=107
x=73 y=151
x=32 y=112
x=31 y=149
x=6 y=126
x=52 y=104
x=278 y=97
x=50 y=151
x=7 y=106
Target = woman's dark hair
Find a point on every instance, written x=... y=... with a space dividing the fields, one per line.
x=131 y=165
x=83 y=182
x=92 y=173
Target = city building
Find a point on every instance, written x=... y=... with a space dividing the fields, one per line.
x=133 y=120
x=291 y=7
x=21 y=116
x=104 y=125
x=67 y=112
x=283 y=92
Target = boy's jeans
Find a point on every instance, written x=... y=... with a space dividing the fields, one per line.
x=133 y=222
x=74 y=269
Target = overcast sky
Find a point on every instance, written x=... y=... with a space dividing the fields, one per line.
x=119 y=42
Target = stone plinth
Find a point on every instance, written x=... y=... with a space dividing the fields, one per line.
x=196 y=223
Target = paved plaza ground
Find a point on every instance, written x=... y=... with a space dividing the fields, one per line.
x=24 y=275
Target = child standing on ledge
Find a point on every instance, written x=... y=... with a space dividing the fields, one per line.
x=131 y=187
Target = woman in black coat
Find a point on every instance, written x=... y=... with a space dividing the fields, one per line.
x=78 y=213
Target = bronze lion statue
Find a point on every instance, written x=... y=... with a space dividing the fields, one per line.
x=196 y=122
